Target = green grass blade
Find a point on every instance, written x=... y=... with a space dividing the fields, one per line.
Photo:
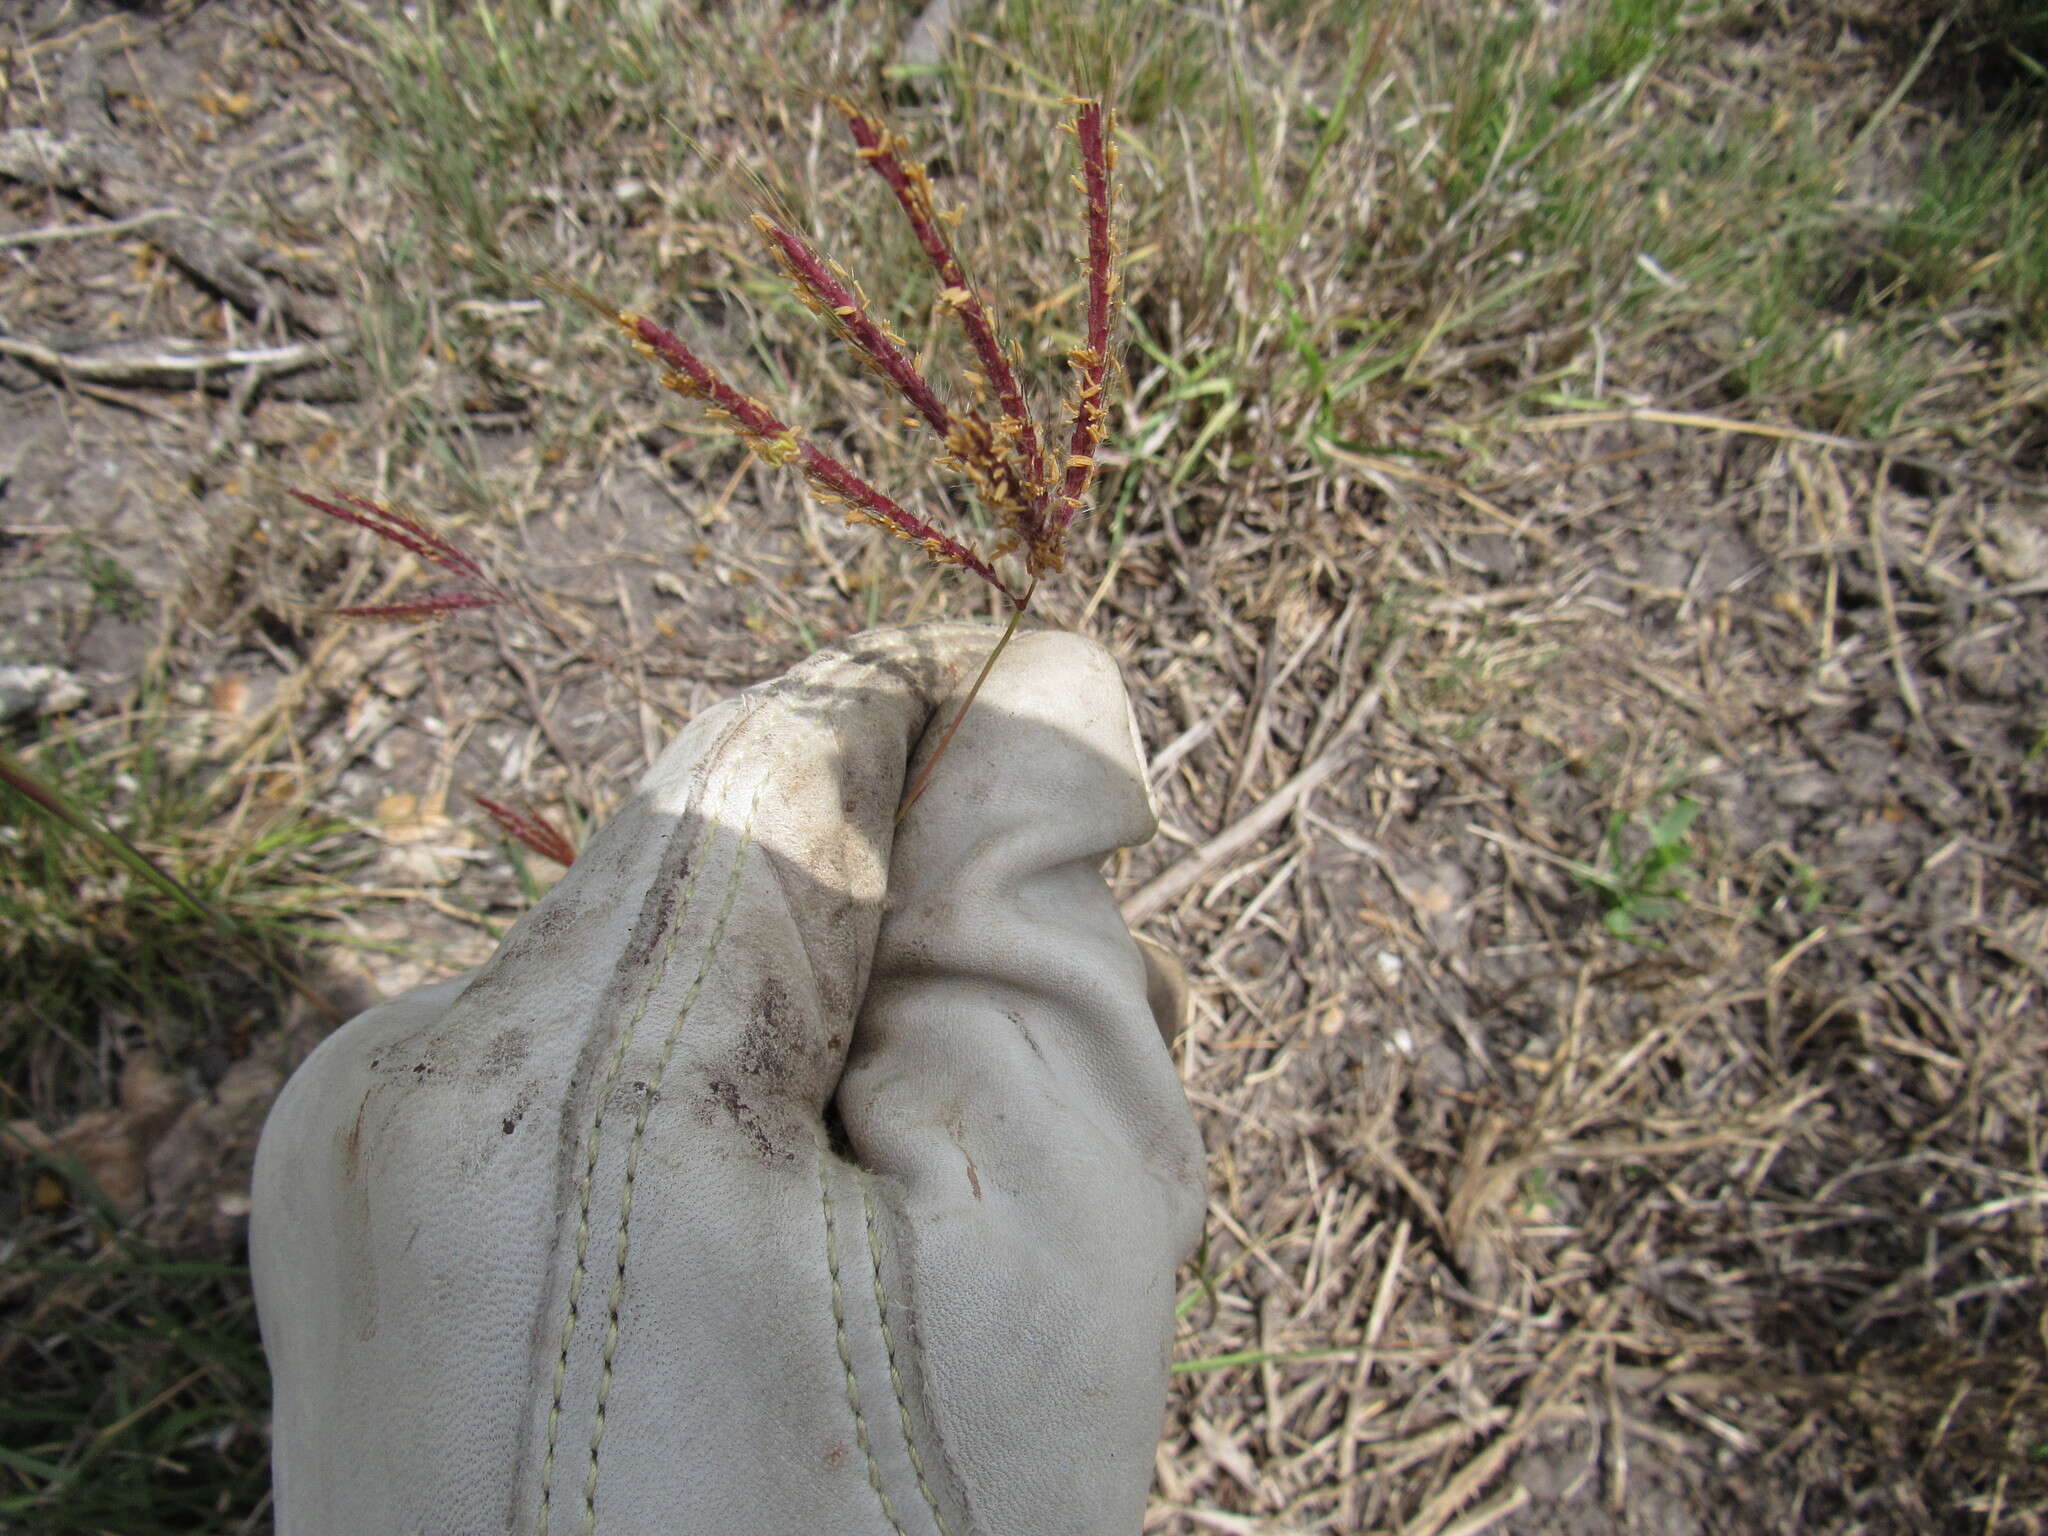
x=38 y=792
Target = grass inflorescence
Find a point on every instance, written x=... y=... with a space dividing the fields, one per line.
x=993 y=445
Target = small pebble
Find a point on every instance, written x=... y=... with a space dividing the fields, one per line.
x=37 y=690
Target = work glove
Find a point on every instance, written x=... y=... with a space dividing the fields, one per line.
x=786 y=1170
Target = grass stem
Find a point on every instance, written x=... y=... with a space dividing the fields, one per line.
x=924 y=775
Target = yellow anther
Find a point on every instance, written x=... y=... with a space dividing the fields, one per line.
x=777 y=451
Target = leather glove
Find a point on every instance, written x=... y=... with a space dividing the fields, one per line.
x=785 y=1170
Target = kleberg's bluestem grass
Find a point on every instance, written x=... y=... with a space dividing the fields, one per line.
x=1032 y=498
x=474 y=589
x=528 y=826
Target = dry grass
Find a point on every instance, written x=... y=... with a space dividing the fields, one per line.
x=1625 y=376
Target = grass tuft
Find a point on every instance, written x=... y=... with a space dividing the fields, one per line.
x=182 y=954
x=1977 y=227
x=134 y=926
x=137 y=1390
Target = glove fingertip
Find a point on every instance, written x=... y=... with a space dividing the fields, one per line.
x=1051 y=734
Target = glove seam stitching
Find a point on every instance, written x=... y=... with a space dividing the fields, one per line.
x=588 y=1182
x=640 y=1121
x=889 y=1348
x=860 y=1423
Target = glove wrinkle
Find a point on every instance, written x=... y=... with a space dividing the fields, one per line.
x=1056 y=1276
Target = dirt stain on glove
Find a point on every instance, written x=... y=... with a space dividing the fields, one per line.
x=506 y=1054
x=726 y=1095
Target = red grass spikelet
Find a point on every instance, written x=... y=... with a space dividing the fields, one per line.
x=690 y=375
x=845 y=310
x=778 y=443
x=402 y=529
x=907 y=179
x=430 y=605
x=830 y=480
x=529 y=827
x=1004 y=459
x=1091 y=360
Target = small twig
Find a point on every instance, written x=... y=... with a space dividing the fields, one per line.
x=1898 y=94
x=109 y=177
x=88 y=161
x=228 y=420
x=1375 y=464
x=535 y=704
x=169 y=362
x=1566 y=421
x=1896 y=637
x=1149 y=900
x=63 y=42
x=1486 y=1516
x=50 y=234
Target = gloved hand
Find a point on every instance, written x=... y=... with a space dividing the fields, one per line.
x=785 y=1171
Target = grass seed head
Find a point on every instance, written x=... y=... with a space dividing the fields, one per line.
x=1002 y=458
x=527 y=826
